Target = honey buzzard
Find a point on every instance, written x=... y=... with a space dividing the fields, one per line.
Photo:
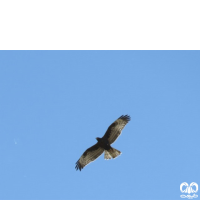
x=103 y=144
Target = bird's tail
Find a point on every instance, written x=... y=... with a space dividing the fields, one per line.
x=111 y=153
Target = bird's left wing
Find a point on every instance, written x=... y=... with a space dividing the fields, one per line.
x=115 y=129
x=88 y=156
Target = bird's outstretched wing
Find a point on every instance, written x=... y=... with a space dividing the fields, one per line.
x=115 y=129
x=88 y=156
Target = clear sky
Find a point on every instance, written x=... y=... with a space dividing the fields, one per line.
x=53 y=104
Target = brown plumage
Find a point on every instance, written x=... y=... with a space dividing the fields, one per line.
x=103 y=144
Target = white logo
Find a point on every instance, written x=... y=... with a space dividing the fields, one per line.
x=192 y=188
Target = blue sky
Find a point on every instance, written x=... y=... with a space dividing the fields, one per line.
x=54 y=104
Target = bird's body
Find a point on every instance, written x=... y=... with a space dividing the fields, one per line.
x=104 y=144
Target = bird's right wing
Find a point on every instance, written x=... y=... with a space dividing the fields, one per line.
x=88 y=156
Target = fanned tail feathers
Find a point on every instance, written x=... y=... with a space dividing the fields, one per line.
x=111 y=153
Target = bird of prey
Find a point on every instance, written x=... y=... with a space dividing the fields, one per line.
x=103 y=144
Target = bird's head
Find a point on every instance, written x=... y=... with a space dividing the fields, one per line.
x=97 y=138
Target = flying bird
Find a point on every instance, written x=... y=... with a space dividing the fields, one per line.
x=103 y=144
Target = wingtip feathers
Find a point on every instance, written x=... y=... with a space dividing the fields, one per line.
x=78 y=166
x=125 y=117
